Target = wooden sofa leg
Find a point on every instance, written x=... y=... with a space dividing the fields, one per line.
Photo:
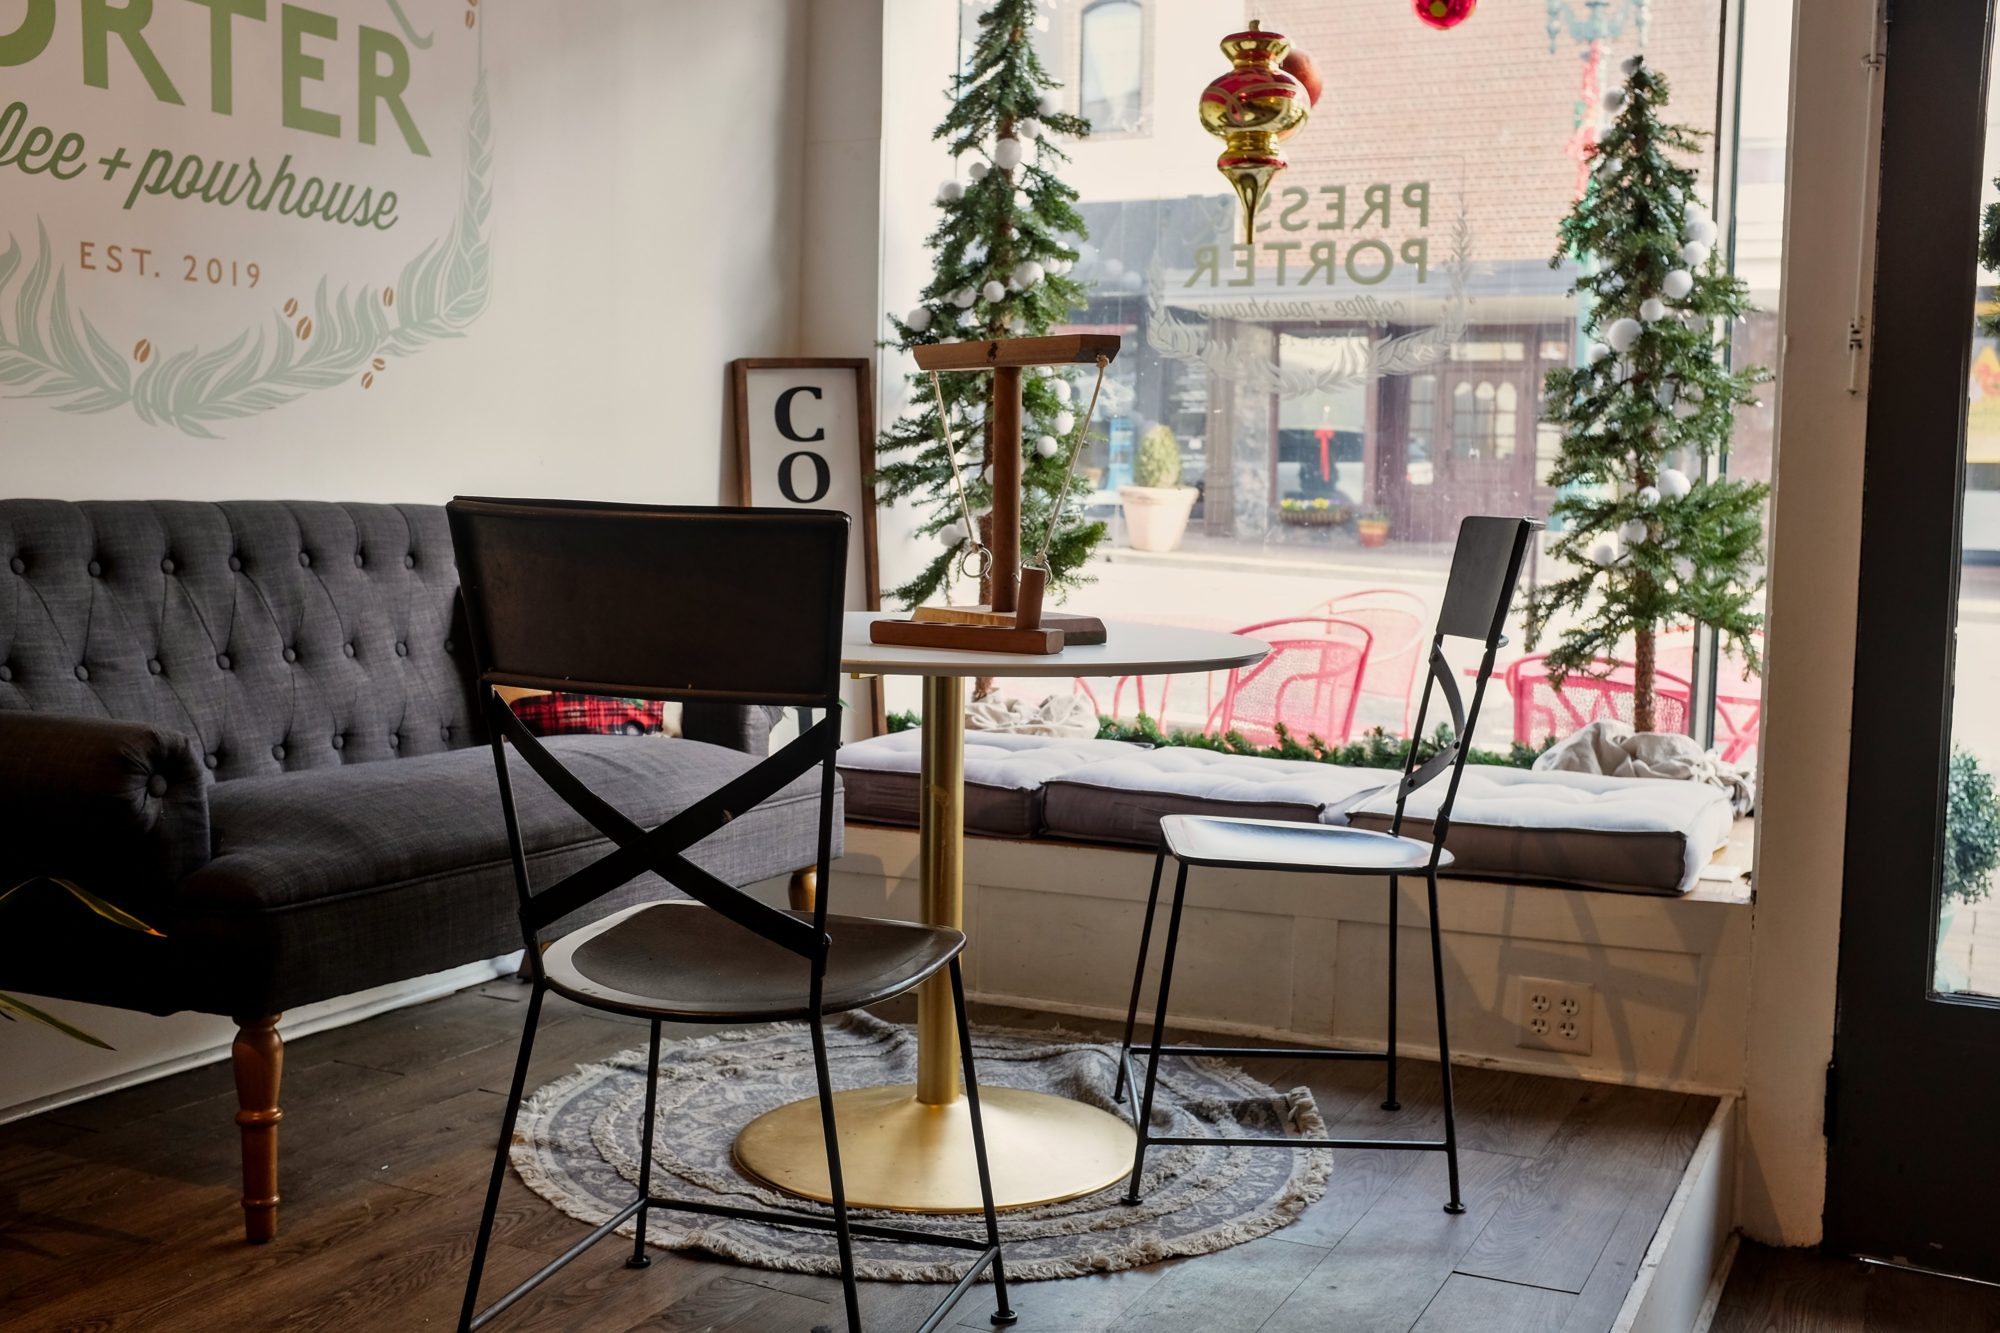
x=258 y=1058
x=804 y=889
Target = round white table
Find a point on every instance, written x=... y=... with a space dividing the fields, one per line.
x=909 y=1147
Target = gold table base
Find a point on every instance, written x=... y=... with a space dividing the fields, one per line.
x=900 y=1153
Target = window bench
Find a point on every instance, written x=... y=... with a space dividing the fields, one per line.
x=1054 y=918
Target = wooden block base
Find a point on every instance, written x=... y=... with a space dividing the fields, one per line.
x=1078 y=631
x=968 y=638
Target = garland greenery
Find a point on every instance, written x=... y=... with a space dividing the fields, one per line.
x=55 y=353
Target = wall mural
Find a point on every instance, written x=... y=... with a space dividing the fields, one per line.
x=197 y=259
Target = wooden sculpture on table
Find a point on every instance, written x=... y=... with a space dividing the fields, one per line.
x=1015 y=621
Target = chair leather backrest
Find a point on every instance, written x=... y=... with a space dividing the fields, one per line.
x=275 y=635
x=663 y=602
x=1485 y=565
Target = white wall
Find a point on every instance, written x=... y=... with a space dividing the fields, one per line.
x=645 y=229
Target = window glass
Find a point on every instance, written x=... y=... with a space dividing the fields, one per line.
x=1113 y=64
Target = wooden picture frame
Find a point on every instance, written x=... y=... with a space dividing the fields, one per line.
x=784 y=406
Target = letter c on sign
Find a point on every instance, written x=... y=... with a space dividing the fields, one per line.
x=822 y=478
x=784 y=414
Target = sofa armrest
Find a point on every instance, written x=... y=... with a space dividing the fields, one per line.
x=745 y=727
x=119 y=807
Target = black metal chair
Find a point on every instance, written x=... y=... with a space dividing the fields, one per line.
x=1484 y=569
x=731 y=606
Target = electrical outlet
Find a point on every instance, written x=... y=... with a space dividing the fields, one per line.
x=1555 y=1015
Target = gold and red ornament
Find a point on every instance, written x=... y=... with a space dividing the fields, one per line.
x=1252 y=108
x=1442 y=14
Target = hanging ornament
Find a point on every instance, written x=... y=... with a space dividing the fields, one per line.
x=1250 y=109
x=1027 y=131
x=964 y=297
x=1630 y=65
x=1649 y=496
x=1007 y=154
x=1305 y=69
x=1027 y=273
x=978 y=171
x=1694 y=254
x=1065 y=422
x=1604 y=554
x=1614 y=100
x=1693 y=210
x=1673 y=485
x=1443 y=14
x=951 y=534
x=1598 y=352
x=1607 y=165
x=950 y=192
x=1652 y=308
x=1062 y=390
x=918 y=320
x=1622 y=334
x=1046 y=446
x=1021 y=200
x=994 y=292
x=1683 y=568
x=1633 y=532
x=1678 y=283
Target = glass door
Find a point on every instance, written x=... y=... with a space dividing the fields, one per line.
x=1914 y=1093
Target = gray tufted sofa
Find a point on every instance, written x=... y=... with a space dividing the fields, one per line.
x=253 y=725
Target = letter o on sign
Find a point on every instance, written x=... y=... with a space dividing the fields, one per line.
x=822 y=477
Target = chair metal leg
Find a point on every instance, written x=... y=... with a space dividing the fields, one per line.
x=1138 y=975
x=1390 y=1103
x=499 y=1176
x=1144 y=1122
x=837 y=1187
x=1003 y=1313
x=1457 y=1205
x=640 y=1259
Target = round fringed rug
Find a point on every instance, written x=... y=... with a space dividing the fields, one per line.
x=577 y=1145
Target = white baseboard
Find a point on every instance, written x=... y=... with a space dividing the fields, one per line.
x=1680 y=1280
x=182 y=1045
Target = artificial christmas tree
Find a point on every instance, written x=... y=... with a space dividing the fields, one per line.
x=1647 y=546
x=1001 y=272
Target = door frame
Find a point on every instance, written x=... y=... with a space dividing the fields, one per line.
x=1911 y=1069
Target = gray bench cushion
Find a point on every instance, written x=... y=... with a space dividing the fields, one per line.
x=1633 y=835
x=351 y=877
x=1005 y=776
x=1123 y=800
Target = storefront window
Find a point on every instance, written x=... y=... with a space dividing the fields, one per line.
x=1381 y=344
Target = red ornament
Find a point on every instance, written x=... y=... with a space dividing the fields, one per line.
x=1306 y=70
x=1444 y=13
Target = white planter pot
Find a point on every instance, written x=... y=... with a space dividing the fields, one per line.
x=1156 y=517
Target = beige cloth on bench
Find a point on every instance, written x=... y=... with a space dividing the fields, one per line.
x=1612 y=748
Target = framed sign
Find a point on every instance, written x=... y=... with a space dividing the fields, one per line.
x=805 y=436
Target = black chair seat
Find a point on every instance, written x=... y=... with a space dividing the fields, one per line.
x=1270 y=844
x=680 y=961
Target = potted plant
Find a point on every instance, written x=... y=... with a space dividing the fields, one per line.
x=1971 y=850
x=1319 y=512
x=1156 y=504
x=1372 y=528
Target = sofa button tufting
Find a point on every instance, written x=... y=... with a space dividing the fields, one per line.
x=153 y=666
x=222 y=660
x=410 y=561
x=359 y=562
x=402 y=649
x=305 y=559
x=291 y=654
x=208 y=761
x=278 y=752
x=18 y=565
x=395 y=741
x=450 y=647
x=167 y=565
x=340 y=742
x=347 y=648
x=236 y=564
x=82 y=671
x=156 y=785
x=6 y=673
x=444 y=734
x=96 y=570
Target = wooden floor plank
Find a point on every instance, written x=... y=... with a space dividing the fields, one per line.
x=727 y=1305
x=1804 y=1291
x=1234 y=1288
x=1480 y=1305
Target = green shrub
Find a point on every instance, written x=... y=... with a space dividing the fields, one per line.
x=1971 y=830
x=1159 y=460
x=1375 y=749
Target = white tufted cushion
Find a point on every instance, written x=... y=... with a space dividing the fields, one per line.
x=1634 y=835
x=1123 y=799
x=1004 y=777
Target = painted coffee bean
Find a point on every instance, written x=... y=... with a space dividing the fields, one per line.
x=305 y=328
x=368 y=380
x=291 y=308
x=142 y=351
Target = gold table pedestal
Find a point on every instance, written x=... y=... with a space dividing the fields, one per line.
x=909 y=1148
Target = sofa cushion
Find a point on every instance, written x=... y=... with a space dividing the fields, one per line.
x=335 y=880
x=1004 y=777
x=1634 y=835
x=1123 y=799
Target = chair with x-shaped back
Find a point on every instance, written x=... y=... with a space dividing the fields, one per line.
x=738 y=606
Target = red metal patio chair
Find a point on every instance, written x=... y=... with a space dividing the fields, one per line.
x=1544 y=710
x=1310 y=682
x=1399 y=621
